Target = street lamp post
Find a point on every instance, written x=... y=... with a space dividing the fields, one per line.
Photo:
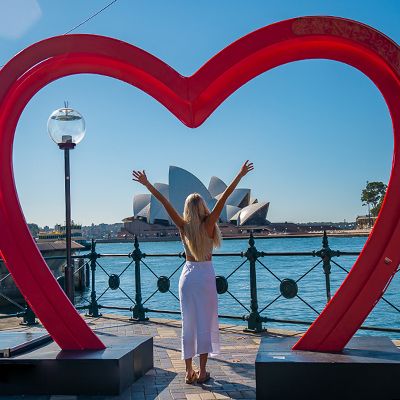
x=66 y=127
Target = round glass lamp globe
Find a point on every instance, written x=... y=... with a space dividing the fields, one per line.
x=66 y=125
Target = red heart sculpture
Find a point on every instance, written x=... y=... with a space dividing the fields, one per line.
x=192 y=99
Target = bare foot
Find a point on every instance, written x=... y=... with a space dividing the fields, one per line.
x=191 y=376
x=203 y=377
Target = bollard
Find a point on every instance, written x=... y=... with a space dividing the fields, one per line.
x=138 y=311
x=93 y=310
x=254 y=321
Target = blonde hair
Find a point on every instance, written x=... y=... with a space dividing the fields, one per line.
x=195 y=213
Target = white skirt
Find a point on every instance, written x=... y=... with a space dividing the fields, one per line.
x=199 y=309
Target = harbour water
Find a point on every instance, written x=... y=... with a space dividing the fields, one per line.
x=311 y=287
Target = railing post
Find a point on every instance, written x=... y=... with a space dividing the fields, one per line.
x=253 y=319
x=326 y=255
x=81 y=276
x=138 y=311
x=93 y=306
x=29 y=317
x=87 y=275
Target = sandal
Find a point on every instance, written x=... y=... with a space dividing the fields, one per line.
x=205 y=379
x=192 y=378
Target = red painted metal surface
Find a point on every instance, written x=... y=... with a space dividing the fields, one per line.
x=192 y=100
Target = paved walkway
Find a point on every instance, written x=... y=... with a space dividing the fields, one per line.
x=232 y=371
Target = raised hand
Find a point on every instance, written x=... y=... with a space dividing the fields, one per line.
x=246 y=167
x=140 y=176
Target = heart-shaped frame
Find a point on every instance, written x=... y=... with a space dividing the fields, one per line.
x=192 y=100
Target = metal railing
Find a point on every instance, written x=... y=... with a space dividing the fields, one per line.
x=138 y=262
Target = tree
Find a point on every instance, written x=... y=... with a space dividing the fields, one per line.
x=34 y=228
x=373 y=195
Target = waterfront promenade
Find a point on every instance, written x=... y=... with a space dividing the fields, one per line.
x=232 y=371
x=335 y=233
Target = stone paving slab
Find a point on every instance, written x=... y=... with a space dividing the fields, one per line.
x=232 y=371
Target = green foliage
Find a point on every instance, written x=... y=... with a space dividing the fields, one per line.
x=373 y=195
x=34 y=229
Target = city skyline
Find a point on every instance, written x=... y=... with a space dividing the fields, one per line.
x=315 y=130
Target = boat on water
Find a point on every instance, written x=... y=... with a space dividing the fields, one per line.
x=59 y=233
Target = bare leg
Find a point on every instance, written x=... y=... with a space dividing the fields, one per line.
x=203 y=362
x=189 y=367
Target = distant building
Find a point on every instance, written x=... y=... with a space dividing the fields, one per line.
x=141 y=228
x=240 y=208
x=102 y=231
x=365 y=222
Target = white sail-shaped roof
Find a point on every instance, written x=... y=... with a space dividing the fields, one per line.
x=236 y=217
x=258 y=210
x=140 y=201
x=231 y=211
x=216 y=186
x=144 y=213
x=227 y=212
x=239 y=208
x=239 y=198
x=157 y=210
x=181 y=184
x=211 y=203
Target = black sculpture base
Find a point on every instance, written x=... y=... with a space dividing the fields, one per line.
x=48 y=370
x=368 y=368
x=13 y=343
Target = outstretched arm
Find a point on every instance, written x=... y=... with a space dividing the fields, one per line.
x=140 y=176
x=216 y=212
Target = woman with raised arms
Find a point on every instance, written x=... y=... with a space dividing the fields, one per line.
x=200 y=234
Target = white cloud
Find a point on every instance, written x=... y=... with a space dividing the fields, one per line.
x=17 y=16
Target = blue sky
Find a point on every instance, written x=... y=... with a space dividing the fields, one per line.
x=315 y=130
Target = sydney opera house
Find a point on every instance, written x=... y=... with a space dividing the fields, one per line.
x=240 y=210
